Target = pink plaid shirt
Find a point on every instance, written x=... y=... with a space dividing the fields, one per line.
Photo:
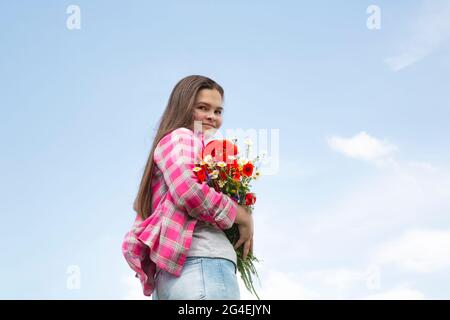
x=178 y=202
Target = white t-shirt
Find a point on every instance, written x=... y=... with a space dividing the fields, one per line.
x=210 y=241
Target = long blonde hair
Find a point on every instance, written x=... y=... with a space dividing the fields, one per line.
x=178 y=113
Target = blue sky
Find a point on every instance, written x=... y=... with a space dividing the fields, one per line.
x=359 y=206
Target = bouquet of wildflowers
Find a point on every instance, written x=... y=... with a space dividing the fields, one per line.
x=222 y=168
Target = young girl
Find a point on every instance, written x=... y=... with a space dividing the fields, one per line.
x=177 y=246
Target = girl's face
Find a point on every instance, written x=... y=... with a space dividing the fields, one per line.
x=208 y=109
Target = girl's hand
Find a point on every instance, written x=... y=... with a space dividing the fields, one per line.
x=243 y=216
x=245 y=226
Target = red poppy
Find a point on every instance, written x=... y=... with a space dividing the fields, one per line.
x=201 y=175
x=237 y=176
x=247 y=169
x=220 y=150
x=250 y=199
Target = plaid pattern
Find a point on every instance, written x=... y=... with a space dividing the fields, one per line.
x=178 y=202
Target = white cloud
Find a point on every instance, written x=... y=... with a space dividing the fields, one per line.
x=405 y=196
x=420 y=250
x=324 y=284
x=329 y=242
x=337 y=283
x=402 y=194
x=402 y=292
x=430 y=30
x=277 y=285
x=361 y=146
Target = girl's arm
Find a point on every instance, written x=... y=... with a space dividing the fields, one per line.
x=175 y=155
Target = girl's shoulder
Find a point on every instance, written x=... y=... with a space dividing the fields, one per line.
x=182 y=131
x=179 y=143
x=182 y=135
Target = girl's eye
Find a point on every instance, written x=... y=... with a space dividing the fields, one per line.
x=219 y=112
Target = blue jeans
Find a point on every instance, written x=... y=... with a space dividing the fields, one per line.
x=202 y=278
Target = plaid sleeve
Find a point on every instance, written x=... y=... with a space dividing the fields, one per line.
x=175 y=156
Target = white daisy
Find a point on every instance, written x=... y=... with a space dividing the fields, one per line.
x=221 y=164
x=208 y=158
